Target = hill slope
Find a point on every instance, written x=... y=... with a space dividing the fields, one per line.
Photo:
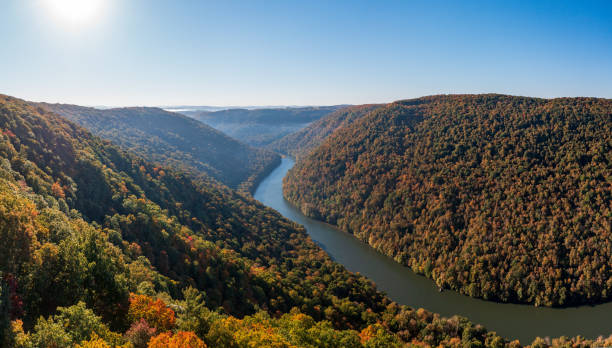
x=96 y=240
x=504 y=198
x=303 y=141
x=175 y=140
x=260 y=127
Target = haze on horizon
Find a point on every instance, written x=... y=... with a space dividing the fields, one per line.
x=154 y=52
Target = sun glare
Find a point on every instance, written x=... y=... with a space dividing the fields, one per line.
x=75 y=11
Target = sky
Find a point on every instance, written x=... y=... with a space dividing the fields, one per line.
x=184 y=52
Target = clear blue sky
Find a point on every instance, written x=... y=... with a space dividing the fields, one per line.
x=162 y=52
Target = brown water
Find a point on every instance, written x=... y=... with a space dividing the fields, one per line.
x=513 y=321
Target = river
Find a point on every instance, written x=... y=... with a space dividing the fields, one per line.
x=513 y=321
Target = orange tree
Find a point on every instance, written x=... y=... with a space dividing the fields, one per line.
x=181 y=339
x=154 y=312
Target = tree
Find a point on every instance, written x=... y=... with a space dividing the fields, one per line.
x=70 y=326
x=18 y=227
x=94 y=342
x=5 y=310
x=180 y=339
x=155 y=312
x=376 y=336
x=194 y=315
x=140 y=333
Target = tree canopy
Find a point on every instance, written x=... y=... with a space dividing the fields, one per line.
x=175 y=140
x=498 y=197
x=102 y=248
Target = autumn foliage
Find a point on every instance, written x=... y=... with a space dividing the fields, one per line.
x=94 y=342
x=140 y=333
x=98 y=245
x=176 y=141
x=498 y=197
x=154 y=312
x=180 y=339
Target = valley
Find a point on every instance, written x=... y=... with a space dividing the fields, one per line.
x=402 y=285
x=182 y=240
x=305 y=174
x=263 y=126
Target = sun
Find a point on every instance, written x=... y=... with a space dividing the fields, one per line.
x=75 y=11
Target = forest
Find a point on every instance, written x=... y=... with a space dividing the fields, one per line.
x=260 y=127
x=498 y=197
x=177 y=141
x=102 y=248
x=317 y=174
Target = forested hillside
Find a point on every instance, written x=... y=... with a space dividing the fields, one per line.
x=175 y=140
x=498 y=197
x=303 y=141
x=101 y=248
x=260 y=127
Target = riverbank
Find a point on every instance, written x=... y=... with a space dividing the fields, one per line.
x=403 y=286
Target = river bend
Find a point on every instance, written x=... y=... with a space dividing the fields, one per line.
x=405 y=287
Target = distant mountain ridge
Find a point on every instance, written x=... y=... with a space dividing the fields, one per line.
x=176 y=140
x=299 y=143
x=198 y=108
x=260 y=127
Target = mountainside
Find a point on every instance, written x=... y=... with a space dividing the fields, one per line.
x=499 y=197
x=175 y=140
x=303 y=141
x=101 y=248
x=260 y=127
